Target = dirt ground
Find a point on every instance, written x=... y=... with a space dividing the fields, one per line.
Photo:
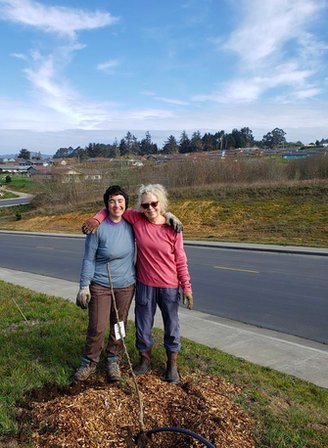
x=96 y=414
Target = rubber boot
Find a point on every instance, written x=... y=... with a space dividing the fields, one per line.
x=144 y=363
x=171 y=374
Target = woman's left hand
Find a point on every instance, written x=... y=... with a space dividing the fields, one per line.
x=173 y=221
x=90 y=226
x=188 y=300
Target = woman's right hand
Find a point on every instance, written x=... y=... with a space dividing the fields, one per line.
x=83 y=297
x=90 y=226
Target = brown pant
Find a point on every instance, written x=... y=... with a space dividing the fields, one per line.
x=101 y=311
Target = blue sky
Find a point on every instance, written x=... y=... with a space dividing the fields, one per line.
x=81 y=71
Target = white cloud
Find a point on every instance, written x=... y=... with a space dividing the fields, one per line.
x=59 y=20
x=51 y=93
x=57 y=97
x=309 y=92
x=251 y=88
x=268 y=25
x=148 y=93
x=25 y=126
x=146 y=114
x=171 y=101
x=275 y=52
x=19 y=56
x=108 y=66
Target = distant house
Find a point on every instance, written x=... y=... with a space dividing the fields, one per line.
x=293 y=155
x=92 y=176
x=65 y=174
x=137 y=163
x=17 y=169
x=42 y=173
x=126 y=162
x=6 y=160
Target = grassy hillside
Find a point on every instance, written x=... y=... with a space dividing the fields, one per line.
x=291 y=213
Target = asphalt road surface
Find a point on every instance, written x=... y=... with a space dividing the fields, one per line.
x=16 y=201
x=279 y=291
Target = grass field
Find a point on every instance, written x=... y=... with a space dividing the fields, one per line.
x=18 y=183
x=287 y=214
x=41 y=339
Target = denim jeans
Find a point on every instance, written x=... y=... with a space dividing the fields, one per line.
x=146 y=301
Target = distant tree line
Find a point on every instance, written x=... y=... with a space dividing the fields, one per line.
x=131 y=146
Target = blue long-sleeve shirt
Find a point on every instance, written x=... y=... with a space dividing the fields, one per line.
x=112 y=243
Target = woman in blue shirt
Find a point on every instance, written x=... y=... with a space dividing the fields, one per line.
x=113 y=244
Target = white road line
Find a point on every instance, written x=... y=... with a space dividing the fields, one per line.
x=236 y=269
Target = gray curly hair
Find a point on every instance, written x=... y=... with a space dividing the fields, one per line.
x=157 y=190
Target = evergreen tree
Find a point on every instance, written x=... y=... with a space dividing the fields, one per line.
x=124 y=149
x=196 y=142
x=184 y=143
x=147 y=146
x=170 y=146
x=24 y=154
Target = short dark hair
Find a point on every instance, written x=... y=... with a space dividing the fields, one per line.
x=114 y=190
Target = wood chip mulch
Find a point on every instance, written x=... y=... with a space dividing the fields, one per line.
x=107 y=415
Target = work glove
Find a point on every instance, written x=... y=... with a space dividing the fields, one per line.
x=83 y=297
x=188 y=300
x=173 y=221
x=90 y=226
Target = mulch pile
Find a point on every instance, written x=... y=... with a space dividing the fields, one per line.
x=99 y=415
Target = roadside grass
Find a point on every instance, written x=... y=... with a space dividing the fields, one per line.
x=19 y=183
x=41 y=344
x=7 y=194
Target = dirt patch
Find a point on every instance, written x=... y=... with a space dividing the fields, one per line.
x=98 y=415
x=13 y=327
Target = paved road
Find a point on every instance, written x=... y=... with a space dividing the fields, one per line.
x=285 y=292
x=22 y=199
x=279 y=291
x=14 y=201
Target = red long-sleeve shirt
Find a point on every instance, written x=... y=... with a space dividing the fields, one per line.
x=161 y=258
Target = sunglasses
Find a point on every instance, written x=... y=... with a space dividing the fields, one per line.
x=146 y=205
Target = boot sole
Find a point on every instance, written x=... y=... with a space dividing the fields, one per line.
x=141 y=373
x=113 y=380
x=172 y=381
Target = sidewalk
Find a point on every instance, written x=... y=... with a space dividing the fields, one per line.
x=261 y=247
x=305 y=359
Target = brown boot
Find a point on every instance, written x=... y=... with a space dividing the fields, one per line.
x=144 y=363
x=171 y=374
x=113 y=369
x=86 y=369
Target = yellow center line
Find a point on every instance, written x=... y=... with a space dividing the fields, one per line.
x=236 y=269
